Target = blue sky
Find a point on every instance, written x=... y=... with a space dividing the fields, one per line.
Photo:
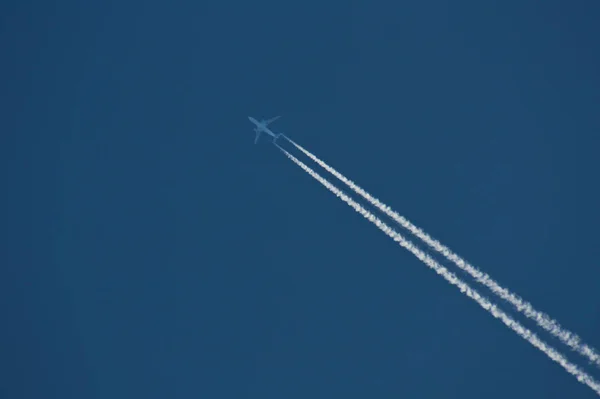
x=152 y=250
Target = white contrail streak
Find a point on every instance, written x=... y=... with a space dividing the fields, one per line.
x=543 y=320
x=452 y=279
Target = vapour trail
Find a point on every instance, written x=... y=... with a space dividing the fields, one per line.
x=543 y=320
x=452 y=279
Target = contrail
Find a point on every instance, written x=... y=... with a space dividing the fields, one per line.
x=543 y=320
x=452 y=279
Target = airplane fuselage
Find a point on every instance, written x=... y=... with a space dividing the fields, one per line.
x=260 y=127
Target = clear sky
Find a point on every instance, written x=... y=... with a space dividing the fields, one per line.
x=151 y=250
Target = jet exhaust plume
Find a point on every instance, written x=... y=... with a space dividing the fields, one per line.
x=450 y=277
x=543 y=320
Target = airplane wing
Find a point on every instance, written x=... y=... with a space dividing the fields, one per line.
x=272 y=120
x=257 y=136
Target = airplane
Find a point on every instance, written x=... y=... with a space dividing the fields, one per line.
x=261 y=127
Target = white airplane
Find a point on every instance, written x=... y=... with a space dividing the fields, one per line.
x=261 y=127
